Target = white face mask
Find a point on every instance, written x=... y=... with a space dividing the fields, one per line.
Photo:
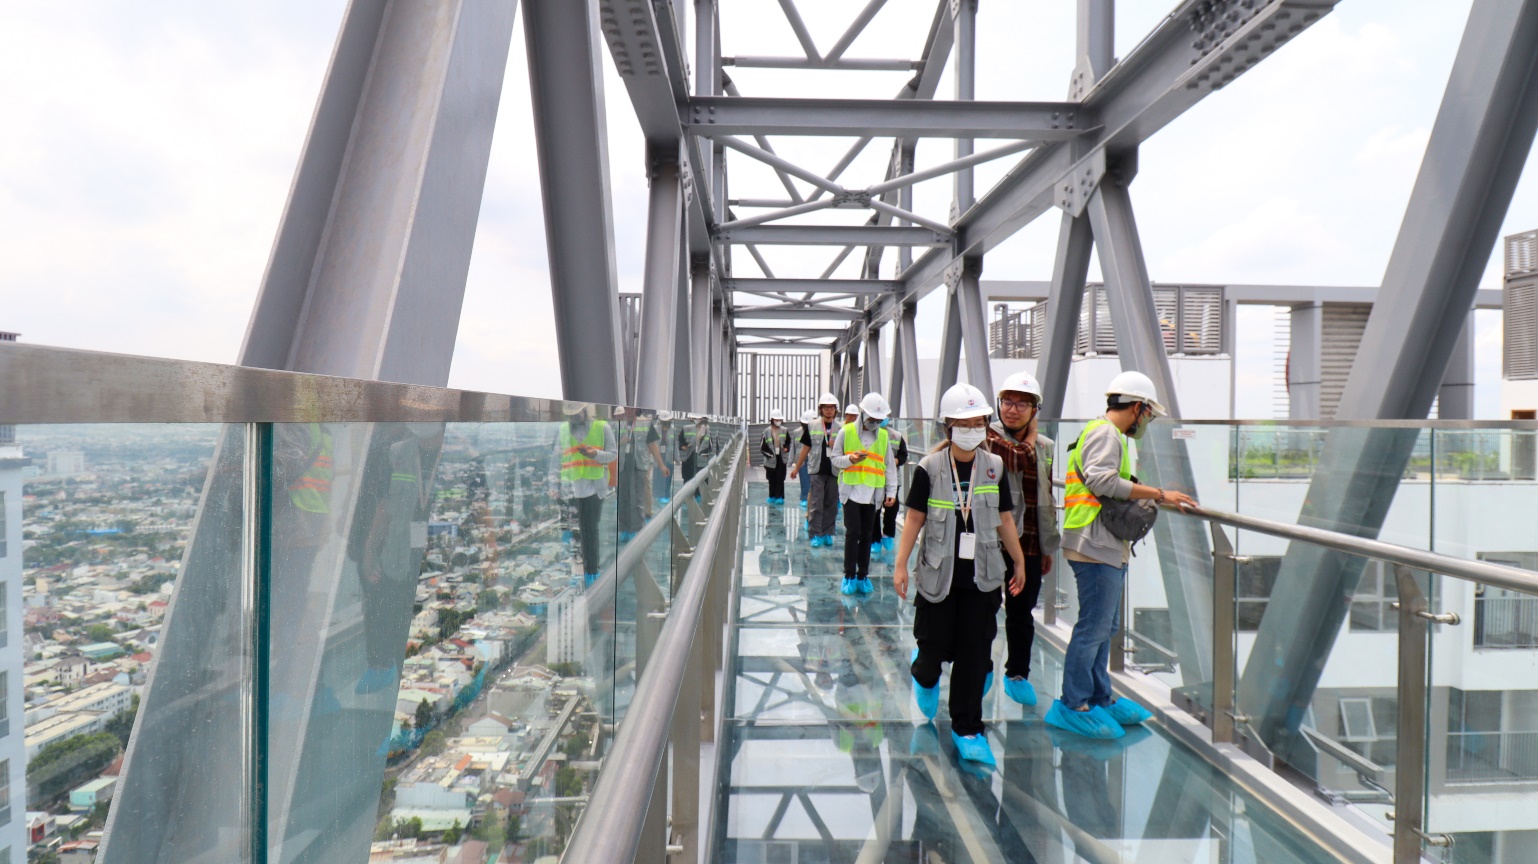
x=968 y=439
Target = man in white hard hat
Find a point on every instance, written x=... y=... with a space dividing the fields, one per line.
x=851 y=413
x=775 y=448
x=867 y=465
x=960 y=514
x=695 y=446
x=807 y=417
x=1028 y=462
x=816 y=450
x=1100 y=466
x=585 y=448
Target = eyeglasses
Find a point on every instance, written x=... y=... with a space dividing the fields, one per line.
x=1018 y=406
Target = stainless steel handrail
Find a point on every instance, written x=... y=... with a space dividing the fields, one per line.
x=611 y=827
x=1499 y=575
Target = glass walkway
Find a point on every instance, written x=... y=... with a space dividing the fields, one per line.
x=826 y=759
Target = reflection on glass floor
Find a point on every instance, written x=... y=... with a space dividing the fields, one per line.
x=827 y=760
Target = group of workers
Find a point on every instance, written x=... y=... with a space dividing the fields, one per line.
x=981 y=514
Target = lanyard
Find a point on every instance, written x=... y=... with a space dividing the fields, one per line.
x=964 y=503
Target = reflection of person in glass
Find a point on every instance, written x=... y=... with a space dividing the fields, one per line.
x=584 y=449
x=695 y=447
x=960 y=500
x=388 y=538
x=664 y=453
x=775 y=448
x=638 y=452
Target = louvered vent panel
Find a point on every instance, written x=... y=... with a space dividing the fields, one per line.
x=1520 y=305
x=1167 y=308
x=1201 y=320
x=1343 y=324
x=1105 y=330
x=1522 y=254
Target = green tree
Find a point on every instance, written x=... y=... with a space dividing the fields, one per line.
x=123 y=724
x=451 y=836
x=488 y=600
x=434 y=743
x=100 y=633
x=424 y=715
x=408 y=829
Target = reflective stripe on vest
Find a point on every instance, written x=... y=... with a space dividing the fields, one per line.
x=871 y=471
x=1080 y=506
x=575 y=465
x=312 y=491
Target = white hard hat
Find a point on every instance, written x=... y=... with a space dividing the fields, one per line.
x=827 y=399
x=1022 y=382
x=875 y=406
x=851 y=408
x=808 y=416
x=776 y=414
x=1137 y=387
x=571 y=409
x=963 y=402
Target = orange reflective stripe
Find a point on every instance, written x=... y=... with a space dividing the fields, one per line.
x=1081 y=500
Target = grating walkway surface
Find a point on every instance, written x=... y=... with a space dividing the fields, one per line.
x=826 y=759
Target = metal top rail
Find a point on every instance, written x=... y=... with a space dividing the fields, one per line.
x=41 y=384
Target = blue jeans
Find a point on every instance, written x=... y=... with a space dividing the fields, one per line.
x=1086 y=672
x=806 y=483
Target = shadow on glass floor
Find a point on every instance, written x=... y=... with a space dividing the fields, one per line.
x=827 y=760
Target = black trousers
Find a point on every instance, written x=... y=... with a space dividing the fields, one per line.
x=1019 y=624
x=776 y=478
x=858 y=520
x=589 y=512
x=960 y=629
x=889 y=519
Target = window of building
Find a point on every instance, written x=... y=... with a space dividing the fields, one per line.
x=1492 y=736
x=5 y=614
x=2 y=525
x=1256 y=578
x=1504 y=618
x=5 y=704
x=5 y=791
x=1369 y=726
x=1372 y=606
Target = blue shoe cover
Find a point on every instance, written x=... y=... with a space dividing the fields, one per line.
x=928 y=698
x=875 y=547
x=888 y=544
x=864 y=586
x=925 y=740
x=987 y=684
x=849 y=603
x=849 y=586
x=663 y=500
x=1128 y=713
x=565 y=536
x=589 y=579
x=1020 y=690
x=1091 y=724
x=974 y=748
x=803 y=503
x=375 y=679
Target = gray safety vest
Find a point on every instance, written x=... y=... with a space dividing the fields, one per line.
x=937 y=554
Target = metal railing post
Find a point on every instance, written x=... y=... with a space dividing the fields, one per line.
x=1410 y=752
x=256 y=595
x=1224 y=572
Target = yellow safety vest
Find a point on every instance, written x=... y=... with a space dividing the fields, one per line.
x=871 y=471
x=312 y=491
x=1079 y=504
x=576 y=466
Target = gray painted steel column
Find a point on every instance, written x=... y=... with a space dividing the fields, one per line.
x=950 y=351
x=874 y=380
x=894 y=385
x=358 y=285
x=910 y=360
x=1479 y=143
x=966 y=89
x=1185 y=559
x=700 y=334
x=1096 y=37
x=974 y=325
x=1455 y=398
x=1070 y=270
x=659 y=313
x=566 y=82
x=683 y=343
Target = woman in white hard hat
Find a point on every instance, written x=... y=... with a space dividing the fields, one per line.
x=805 y=479
x=1028 y=462
x=775 y=448
x=1100 y=466
x=960 y=499
x=867 y=465
x=816 y=450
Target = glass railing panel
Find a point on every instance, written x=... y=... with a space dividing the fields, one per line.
x=1482 y=711
x=98 y=562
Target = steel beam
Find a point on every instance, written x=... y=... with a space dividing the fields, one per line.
x=874 y=382
x=907 y=118
x=974 y=326
x=1160 y=80
x=683 y=341
x=894 y=386
x=1185 y=559
x=1075 y=245
x=701 y=335
x=780 y=345
x=566 y=80
x=811 y=286
x=1483 y=134
x=791 y=332
x=791 y=313
x=1455 y=398
x=910 y=360
x=950 y=351
x=966 y=91
x=833 y=235
x=659 y=321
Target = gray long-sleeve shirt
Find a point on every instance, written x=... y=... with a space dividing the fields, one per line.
x=1100 y=468
x=865 y=494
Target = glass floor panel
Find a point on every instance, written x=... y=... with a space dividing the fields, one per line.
x=826 y=760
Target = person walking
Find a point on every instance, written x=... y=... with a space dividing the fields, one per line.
x=695 y=447
x=864 y=457
x=884 y=530
x=805 y=479
x=816 y=457
x=775 y=448
x=584 y=449
x=663 y=454
x=1027 y=460
x=1100 y=468
x=960 y=500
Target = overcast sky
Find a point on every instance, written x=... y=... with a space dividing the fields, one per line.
x=149 y=148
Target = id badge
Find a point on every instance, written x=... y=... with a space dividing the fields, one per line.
x=968 y=548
